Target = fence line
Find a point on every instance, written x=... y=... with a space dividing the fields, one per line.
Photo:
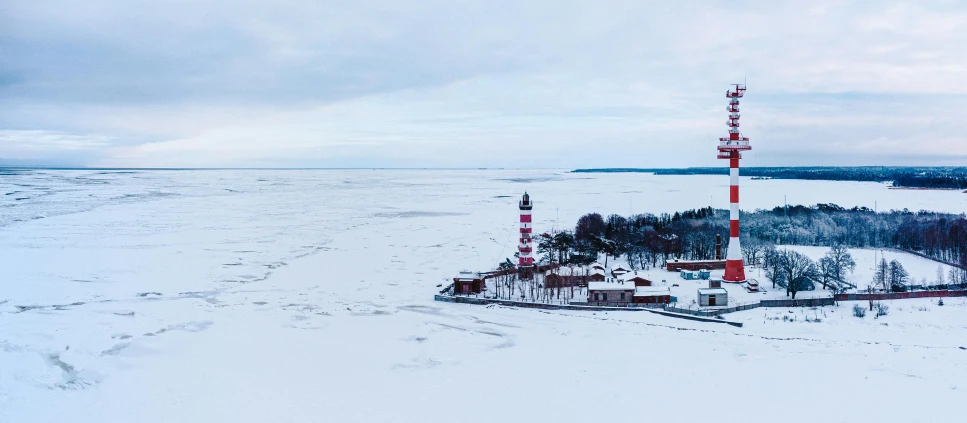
x=803 y=302
x=899 y=295
x=707 y=315
x=484 y=301
x=715 y=311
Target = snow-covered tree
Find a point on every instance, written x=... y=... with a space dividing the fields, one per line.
x=842 y=260
x=751 y=248
x=771 y=265
x=827 y=270
x=898 y=276
x=797 y=270
x=881 y=277
x=953 y=277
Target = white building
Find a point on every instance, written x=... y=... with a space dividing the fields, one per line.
x=711 y=297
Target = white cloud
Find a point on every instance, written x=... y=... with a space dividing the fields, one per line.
x=22 y=143
x=471 y=83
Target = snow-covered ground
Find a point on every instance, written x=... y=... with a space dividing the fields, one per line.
x=685 y=291
x=233 y=296
x=918 y=267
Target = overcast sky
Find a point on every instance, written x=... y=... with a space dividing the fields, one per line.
x=538 y=84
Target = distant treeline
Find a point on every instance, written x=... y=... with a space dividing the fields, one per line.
x=906 y=177
x=649 y=240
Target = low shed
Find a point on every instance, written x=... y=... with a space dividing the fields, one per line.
x=468 y=283
x=652 y=295
x=711 y=297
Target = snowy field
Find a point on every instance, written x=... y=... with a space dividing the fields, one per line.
x=918 y=267
x=236 y=296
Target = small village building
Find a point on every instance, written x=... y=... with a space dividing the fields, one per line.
x=677 y=265
x=618 y=271
x=652 y=295
x=598 y=266
x=715 y=283
x=610 y=292
x=597 y=275
x=712 y=297
x=637 y=280
x=468 y=283
x=567 y=277
x=704 y=274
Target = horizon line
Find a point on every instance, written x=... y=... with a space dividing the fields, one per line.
x=15 y=167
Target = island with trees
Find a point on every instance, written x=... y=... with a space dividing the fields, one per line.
x=925 y=177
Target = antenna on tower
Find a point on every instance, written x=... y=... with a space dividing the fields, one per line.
x=731 y=148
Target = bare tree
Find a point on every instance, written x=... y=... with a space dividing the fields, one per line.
x=589 y=227
x=606 y=246
x=953 y=277
x=881 y=276
x=869 y=290
x=797 y=271
x=827 y=270
x=940 y=278
x=842 y=260
x=898 y=276
x=506 y=268
x=751 y=248
x=522 y=287
x=771 y=263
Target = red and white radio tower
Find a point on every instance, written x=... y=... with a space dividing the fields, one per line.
x=730 y=148
x=525 y=261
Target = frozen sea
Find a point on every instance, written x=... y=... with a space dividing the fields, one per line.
x=306 y=295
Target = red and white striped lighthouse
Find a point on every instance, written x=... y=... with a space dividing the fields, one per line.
x=730 y=148
x=525 y=260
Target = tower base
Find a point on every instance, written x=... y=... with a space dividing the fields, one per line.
x=734 y=271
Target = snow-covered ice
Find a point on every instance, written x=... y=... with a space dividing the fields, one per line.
x=160 y=296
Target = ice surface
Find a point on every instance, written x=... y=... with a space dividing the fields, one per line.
x=160 y=296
